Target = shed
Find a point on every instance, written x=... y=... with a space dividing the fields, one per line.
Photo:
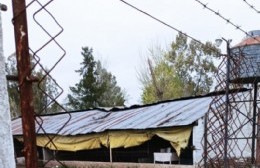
x=178 y=122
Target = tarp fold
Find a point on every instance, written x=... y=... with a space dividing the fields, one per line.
x=178 y=137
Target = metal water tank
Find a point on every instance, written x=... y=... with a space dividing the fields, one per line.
x=245 y=59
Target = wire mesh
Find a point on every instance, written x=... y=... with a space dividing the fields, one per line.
x=241 y=119
x=230 y=135
x=37 y=8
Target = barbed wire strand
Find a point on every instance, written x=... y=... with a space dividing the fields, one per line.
x=227 y=20
x=168 y=25
x=251 y=6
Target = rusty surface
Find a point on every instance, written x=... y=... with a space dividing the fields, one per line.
x=24 y=71
x=36 y=55
x=231 y=138
x=158 y=115
x=249 y=41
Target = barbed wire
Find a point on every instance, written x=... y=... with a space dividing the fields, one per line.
x=227 y=20
x=162 y=22
x=251 y=6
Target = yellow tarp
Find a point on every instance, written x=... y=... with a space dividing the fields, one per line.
x=127 y=139
x=177 y=136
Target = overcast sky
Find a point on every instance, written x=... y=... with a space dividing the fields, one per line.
x=120 y=35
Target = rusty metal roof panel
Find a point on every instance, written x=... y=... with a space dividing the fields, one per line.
x=160 y=115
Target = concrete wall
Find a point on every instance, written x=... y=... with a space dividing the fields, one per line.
x=197 y=137
x=6 y=140
x=240 y=130
x=78 y=164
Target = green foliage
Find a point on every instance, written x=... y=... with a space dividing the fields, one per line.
x=43 y=104
x=186 y=69
x=96 y=88
x=168 y=84
x=45 y=92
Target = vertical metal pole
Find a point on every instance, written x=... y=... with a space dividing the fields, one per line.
x=258 y=130
x=110 y=155
x=110 y=149
x=226 y=165
x=205 y=141
x=254 y=125
x=25 y=85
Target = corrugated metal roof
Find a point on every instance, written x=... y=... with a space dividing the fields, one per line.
x=160 y=115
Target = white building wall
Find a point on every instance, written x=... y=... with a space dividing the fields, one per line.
x=241 y=147
x=197 y=137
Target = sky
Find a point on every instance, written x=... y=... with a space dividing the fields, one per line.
x=121 y=36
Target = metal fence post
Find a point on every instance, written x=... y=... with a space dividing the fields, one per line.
x=25 y=84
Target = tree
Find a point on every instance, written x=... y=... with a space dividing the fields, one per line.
x=44 y=91
x=186 y=69
x=96 y=88
x=12 y=87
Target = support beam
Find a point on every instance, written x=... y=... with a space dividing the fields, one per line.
x=110 y=155
x=257 y=115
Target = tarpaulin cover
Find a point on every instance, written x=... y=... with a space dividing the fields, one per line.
x=177 y=136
